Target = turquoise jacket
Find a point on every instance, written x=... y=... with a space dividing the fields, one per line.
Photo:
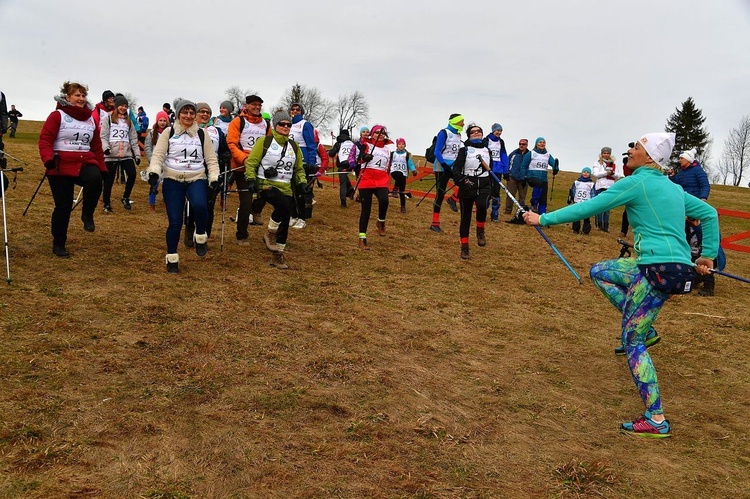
x=656 y=210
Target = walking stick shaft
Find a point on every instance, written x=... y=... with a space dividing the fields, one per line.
x=538 y=229
x=35 y=192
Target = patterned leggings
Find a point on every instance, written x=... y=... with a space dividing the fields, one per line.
x=627 y=289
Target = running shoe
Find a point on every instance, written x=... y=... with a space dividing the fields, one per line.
x=644 y=426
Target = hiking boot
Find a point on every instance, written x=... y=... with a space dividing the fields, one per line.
x=644 y=426
x=108 y=208
x=278 y=260
x=465 y=255
x=652 y=338
x=436 y=228
x=173 y=263
x=403 y=209
x=243 y=242
x=60 y=251
x=343 y=204
x=494 y=219
x=88 y=223
x=126 y=203
x=257 y=218
x=201 y=244
x=189 y=234
x=363 y=243
x=381 y=227
x=708 y=287
x=299 y=224
x=481 y=240
x=270 y=239
x=452 y=203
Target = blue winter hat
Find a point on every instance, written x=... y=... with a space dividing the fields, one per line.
x=586 y=170
x=496 y=127
x=539 y=139
x=364 y=129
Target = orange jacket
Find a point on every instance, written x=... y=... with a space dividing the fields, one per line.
x=233 y=138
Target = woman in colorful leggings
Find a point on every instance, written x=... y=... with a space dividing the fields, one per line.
x=639 y=287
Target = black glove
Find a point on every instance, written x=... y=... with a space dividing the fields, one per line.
x=251 y=187
x=467 y=182
x=448 y=169
x=214 y=185
x=153 y=179
x=366 y=158
x=137 y=161
x=555 y=172
x=506 y=176
x=50 y=164
x=107 y=151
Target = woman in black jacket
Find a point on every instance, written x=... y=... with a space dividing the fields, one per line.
x=471 y=175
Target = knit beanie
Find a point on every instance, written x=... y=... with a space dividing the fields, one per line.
x=401 y=140
x=659 y=146
x=364 y=129
x=538 y=140
x=120 y=100
x=586 y=170
x=280 y=116
x=496 y=127
x=688 y=155
x=184 y=103
x=606 y=150
x=162 y=114
x=107 y=94
x=203 y=105
x=227 y=105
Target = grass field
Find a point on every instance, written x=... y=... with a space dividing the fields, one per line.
x=399 y=372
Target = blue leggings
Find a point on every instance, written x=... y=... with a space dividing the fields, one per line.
x=627 y=289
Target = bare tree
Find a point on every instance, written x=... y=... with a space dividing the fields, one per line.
x=352 y=109
x=736 y=156
x=318 y=110
x=236 y=96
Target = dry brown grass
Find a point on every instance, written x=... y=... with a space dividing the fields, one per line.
x=399 y=372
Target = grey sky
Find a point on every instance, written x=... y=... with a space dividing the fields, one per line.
x=581 y=73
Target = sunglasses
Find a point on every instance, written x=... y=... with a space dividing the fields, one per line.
x=285 y=124
x=204 y=111
x=296 y=109
x=523 y=143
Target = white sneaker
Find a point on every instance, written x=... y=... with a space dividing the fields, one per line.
x=301 y=224
x=293 y=222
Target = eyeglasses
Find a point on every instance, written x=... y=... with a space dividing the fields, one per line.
x=295 y=108
x=475 y=130
x=285 y=124
x=204 y=111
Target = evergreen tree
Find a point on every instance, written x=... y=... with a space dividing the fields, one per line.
x=687 y=125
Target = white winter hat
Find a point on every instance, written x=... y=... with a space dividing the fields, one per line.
x=659 y=146
x=689 y=155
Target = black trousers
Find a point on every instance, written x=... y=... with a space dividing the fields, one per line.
x=345 y=187
x=441 y=182
x=246 y=200
x=482 y=201
x=282 y=211
x=586 y=226
x=62 y=188
x=399 y=184
x=128 y=166
x=365 y=196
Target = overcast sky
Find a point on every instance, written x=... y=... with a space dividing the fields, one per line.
x=581 y=73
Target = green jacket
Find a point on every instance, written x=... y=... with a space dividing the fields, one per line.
x=256 y=155
x=657 y=208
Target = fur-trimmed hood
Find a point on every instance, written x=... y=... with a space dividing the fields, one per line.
x=79 y=113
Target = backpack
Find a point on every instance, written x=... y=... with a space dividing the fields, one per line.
x=242 y=127
x=429 y=154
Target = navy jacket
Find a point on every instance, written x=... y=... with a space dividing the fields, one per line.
x=693 y=180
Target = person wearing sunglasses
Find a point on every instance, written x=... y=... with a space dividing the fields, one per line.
x=471 y=175
x=518 y=166
x=274 y=168
x=374 y=180
x=242 y=134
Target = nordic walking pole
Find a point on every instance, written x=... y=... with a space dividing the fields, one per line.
x=538 y=229
x=5 y=228
x=557 y=165
x=731 y=276
x=35 y=192
x=426 y=193
x=223 y=210
x=77 y=199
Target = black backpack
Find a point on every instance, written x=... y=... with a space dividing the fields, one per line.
x=429 y=153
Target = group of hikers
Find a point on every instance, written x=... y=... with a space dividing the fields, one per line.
x=194 y=158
